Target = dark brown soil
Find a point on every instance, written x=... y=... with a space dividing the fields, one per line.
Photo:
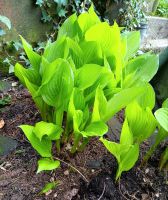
x=19 y=181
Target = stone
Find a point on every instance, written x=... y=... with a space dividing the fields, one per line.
x=7 y=145
x=25 y=19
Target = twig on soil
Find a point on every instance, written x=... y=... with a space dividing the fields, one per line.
x=72 y=168
x=121 y=192
x=102 y=192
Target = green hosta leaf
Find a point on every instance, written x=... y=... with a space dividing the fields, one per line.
x=47 y=164
x=148 y=98
x=100 y=105
x=47 y=129
x=31 y=74
x=76 y=52
x=92 y=52
x=41 y=105
x=165 y=104
x=141 y=121
x=45 y=65
x=50 y=69
x=77 y=120
x=78 y=99
x=98 y=128
x=128 y=160
x=105 y=36
x=49 y=186
x=133 y=43
x=69 y=27
x=105 y=80
x=162 y=117
x=75 y=108
x=57 y=49
x=116 y=149
x=57 y=90
x=88 y=19
x=125 y=154
x=34 y=58
x=121 y=100
x=43 y=147
x=141 y=69
x=6 y=21
x=126 y=134
x=87 y=75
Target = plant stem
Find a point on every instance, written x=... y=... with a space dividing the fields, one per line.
x=59 y=118
x=76 y=142
x=83 y=145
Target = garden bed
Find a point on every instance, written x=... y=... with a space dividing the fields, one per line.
x=19 y=181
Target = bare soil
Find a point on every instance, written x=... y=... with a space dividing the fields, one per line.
x=19 y=181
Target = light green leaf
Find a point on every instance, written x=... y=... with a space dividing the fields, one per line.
x=49 y=186
x=47 y=129
x=98 y=128
x=75 y=52
x=47 y=164
x=69 y=27
x=57 y=49
x=100 y=105
x=92 y=52
x=126 y=134
x=105 y=35
x=162 y=117
x=116 y=149
x=34 y=58
x=88 y=19
x=128 y=160
x=77 y=120
x=133 y=43
x=165 y=104
x=141 y=69
x=6 y=21
x=141 y=121
x=87 y=75
x=57 y=90
x=121 y=100
x=31 y=74
x=148 y=98
x=43 y=147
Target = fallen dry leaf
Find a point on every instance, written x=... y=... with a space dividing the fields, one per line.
x=2 y=123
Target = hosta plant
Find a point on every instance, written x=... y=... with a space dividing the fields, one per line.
x=81 y=81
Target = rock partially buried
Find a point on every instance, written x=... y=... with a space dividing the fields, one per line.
x=7 y=145
x=25 y=20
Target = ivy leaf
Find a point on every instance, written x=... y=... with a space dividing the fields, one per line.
x=39 y=2
x=45 y=16
x=6 y=21
x=61 y=12
x=61 y=2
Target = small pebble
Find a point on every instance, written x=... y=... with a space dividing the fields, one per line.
x=66 y=173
